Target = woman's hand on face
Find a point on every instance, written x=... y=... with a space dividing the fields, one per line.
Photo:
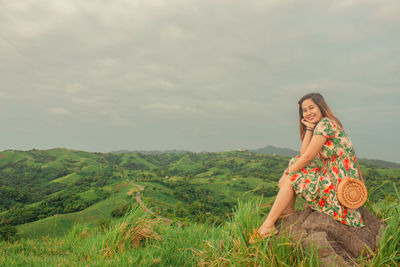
x=307 y=124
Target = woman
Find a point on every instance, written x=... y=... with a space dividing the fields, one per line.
x=322 y=135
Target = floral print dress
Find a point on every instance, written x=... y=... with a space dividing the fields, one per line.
x=313 y=182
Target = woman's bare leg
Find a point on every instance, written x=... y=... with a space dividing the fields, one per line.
x=286 y=196
x=290 y=207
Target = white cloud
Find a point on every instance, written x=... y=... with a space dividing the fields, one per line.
x=4 y=95
x=163 y=86
x=174 y=33
x=383 y=10
x=115 y=118
x=74 y=88
x=60 y=112
x=95 y=102
x=169 y=110
x=8 y=51
x=103 y=68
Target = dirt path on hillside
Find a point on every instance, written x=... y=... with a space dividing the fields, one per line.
x=139 y=200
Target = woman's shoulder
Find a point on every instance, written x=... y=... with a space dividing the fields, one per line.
x=328 y=121
x=325 y=121
x=327 y=127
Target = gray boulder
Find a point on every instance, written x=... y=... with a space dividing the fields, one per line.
x=338 y=244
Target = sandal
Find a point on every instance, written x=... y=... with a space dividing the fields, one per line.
x=256 y=237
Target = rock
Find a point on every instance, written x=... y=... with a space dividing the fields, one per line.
x=327 y=255
x=338 y=244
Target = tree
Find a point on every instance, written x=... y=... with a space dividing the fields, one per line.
x=179 y=210
x=121 y=210
x=8 y=232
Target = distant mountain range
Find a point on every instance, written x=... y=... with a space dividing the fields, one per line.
x=271 y=150
x=150 y=152
x=380 y=163
x=285 y=152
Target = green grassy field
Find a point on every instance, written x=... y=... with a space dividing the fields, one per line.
x=139 y=239
x=200 y=190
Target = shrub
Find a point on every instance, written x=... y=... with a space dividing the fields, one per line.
x=8 y=232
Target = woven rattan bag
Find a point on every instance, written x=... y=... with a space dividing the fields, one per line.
x=351 y=192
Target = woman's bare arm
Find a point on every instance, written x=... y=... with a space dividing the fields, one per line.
x=306 y=141
x=307 y=136
x=314 y=147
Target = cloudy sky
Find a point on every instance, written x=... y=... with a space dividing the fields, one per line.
x=199 y=75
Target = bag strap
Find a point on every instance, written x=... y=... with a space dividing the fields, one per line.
x=358 y=166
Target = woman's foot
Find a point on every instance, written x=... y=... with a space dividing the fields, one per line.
x=258 y=235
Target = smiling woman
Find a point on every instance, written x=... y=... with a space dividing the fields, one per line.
x=322 y=136
x=311 y=112
x=312 y=108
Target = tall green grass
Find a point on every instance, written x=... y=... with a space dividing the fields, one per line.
x=141 y=240
x=233 y=248
x=388 y=251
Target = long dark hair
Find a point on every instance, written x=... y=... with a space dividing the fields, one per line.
x=325 y=110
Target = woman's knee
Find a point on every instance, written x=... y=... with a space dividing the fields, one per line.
x=285 y=179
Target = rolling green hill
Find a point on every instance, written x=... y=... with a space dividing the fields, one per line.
x=60 y=224
x=47 y=191
x=75 y=208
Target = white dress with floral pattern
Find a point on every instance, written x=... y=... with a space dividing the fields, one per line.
x=313 y=182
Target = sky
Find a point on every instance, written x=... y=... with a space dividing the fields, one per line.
x=197 y=75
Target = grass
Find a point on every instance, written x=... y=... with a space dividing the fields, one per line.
x=138 y=239
x=68 y=179
x=388 y=251
x=233 y=247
